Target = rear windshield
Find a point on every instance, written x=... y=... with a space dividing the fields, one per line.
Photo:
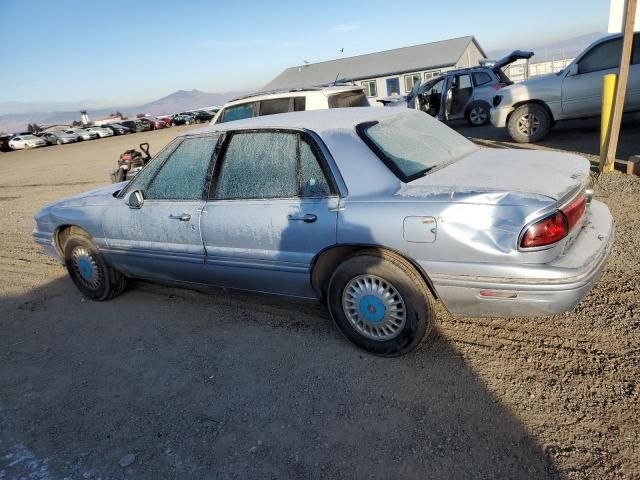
x=238 y=112
x=413 y=143
x=502 y=76
x=348 y=99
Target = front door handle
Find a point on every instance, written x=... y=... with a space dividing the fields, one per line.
x=183 y=217
x=308 y=218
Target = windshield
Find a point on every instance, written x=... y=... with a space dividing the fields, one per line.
x=412 y=143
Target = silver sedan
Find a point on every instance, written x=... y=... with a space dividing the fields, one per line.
x=376 y=212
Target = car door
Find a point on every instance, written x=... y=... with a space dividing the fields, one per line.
x=272 y=208
x=461 y=94
x=582 y=86
x=159 y=238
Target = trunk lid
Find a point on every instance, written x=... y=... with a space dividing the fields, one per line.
x=520 y=173
x=508 y=59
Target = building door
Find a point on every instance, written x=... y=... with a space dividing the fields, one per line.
x=393 y=86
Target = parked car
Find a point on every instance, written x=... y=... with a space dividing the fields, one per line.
x=201 y=116
x=293 y=100
x=134 y=126
x=376 y=212
x=116 y=128
x=22 y=142
x=182 y=119
x=59 y=137
x=166 y=119
x=82 y=133
x=102 y=132
x=465 y=93
x=529 y=109
x=153 y=123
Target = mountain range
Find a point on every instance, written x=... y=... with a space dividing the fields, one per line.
x=175 y=102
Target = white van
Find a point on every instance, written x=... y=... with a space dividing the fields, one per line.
x=292 y=100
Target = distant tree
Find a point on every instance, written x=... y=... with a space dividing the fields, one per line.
x=76 y=123
x=140 y=115
x=34 y=128
x=119 y=114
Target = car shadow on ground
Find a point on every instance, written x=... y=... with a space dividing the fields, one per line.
x=575 y=136
x=236 y=386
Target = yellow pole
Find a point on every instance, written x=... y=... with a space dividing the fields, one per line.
x=608 y=94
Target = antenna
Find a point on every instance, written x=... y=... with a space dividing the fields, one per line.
x=336 y=80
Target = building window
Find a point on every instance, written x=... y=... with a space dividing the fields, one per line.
x=410 y=81
x=370 y=88
x=428 y=75
x=393 y=86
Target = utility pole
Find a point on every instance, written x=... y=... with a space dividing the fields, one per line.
x=611 y=142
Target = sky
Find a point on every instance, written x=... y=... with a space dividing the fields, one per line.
x=124 y=52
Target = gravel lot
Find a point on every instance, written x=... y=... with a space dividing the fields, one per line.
x=170 y=383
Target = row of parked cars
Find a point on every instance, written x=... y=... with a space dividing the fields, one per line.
x=71 y=135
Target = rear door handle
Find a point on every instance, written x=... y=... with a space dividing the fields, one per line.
x=183 y=217
x=308 y=218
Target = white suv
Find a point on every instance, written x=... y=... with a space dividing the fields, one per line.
x=293 y=100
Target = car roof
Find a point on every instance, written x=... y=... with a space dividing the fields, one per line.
x=318 y=121
x=325 y=90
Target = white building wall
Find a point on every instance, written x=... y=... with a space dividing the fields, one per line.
x=616 y=16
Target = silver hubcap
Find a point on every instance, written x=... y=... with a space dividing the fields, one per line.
x=528 y=124
x=86 y=268
x=374 y=307
x=478 y=115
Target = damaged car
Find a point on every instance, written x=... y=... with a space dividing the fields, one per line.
x=463 y=94
x=378 y=213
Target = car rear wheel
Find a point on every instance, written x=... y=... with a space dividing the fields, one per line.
x=478 y=114
x=380 y=303
x=89 y=271
x=529 y=123
x=59 y=142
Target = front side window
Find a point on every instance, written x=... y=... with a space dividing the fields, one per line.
x=238 y=112
x=355 y=98
x=413 y=143
x=275 y=105
x=263 y=165
x=602 y=57
x=370 y=88
x=183 y=175
x=410 y=80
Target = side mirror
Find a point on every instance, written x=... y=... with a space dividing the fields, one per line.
x=135 y=199
x=573 y=70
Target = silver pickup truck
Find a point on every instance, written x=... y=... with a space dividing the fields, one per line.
x=529 y=109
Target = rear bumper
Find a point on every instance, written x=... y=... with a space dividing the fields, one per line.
x=547 y=289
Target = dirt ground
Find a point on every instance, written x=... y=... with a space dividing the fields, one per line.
x=169 y=383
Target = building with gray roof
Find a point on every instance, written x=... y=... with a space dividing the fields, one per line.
x=390 y=72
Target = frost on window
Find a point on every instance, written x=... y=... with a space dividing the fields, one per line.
x=182 y=177
x=415 y=142
x=259 y=165
x=313 y=183
x=142 y=179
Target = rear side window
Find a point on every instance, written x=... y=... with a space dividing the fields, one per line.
x=183 y=175
x=258 y=165
x=602 y=57
x=263 y=165
x=481 y=78
x=348 y=99
x=276 y=105
x=238 y=112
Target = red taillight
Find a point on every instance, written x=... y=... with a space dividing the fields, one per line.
x=575 y=211
x=546 y=231
x=498 y=86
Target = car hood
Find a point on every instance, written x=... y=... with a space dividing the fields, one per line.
x=99 y=196
x=504 y=175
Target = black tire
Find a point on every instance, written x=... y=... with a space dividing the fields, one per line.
x=529 y=123
x=59 y=142
x=478 y=114
x=397 y=277
x=90 y=273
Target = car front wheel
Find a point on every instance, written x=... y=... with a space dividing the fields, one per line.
x=380 y=303
x=529 y=123
x=89 y=271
